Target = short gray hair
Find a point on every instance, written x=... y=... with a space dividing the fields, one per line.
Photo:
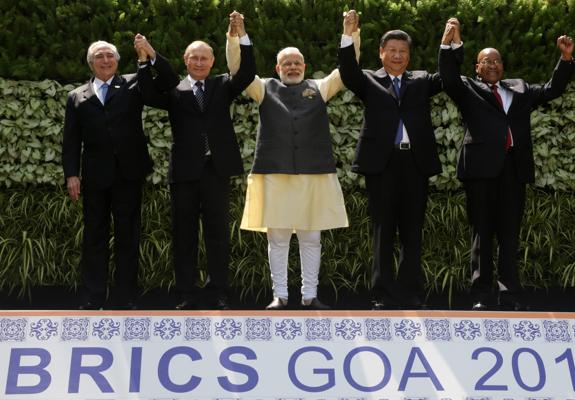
x=94 y=47
x=288 y=50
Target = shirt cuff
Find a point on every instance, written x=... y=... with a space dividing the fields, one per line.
x=346 y=40
x=245 y=40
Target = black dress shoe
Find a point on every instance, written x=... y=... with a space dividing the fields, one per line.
x=479 y=306
x=278 y=303
x=91 y=306
x=511 y=302
x=381 y=305
x=125 y=306
x=314 y=304
x=221 y=303
x=187 y=305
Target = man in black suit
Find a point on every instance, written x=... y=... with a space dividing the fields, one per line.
x=205 y=154
x=103 y=134
x=397 y=154
x=496 y=158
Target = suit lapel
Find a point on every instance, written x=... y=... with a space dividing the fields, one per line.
x=385 y=81
x=487 y=94
x=90 y=95
x=208 y=91
x=115 y=86
x=405 y=82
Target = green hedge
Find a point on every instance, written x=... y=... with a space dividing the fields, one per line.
x=40 y=243
x=31 y=118
x=47 y=39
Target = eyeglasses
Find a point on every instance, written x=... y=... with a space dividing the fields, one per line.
x=486 y=61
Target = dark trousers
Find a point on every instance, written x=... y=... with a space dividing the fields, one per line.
x=397 y=203
x=495 y=209
x=208 y=197
x=123 y=202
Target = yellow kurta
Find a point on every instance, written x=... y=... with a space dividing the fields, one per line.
x=307 y=202
x=286 y=201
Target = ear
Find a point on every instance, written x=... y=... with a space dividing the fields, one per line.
x=277 y=69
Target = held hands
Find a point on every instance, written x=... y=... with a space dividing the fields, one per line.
x=565 y=44
x=350 y=22
x=452 y=32
x=236 y=27
x=143 y=48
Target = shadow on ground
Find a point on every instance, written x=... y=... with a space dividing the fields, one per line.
x=59 y=298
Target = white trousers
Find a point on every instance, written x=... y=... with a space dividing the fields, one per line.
x=310 y=258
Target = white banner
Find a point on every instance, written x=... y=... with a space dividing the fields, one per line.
x=292 y=355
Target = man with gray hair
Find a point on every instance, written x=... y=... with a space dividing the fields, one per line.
x=105 y=157
x=293 y=185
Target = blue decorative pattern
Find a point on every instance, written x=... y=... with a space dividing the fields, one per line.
x=497 y=330
x=12 y=329
x=259 y=329
x=437 y=329
x=75 y=328
x=377 y=329
x=407 y=329
x=288 y=329
x=167 y=329
x=556 y=331
x=106 y=329
x=318 y=329
x=137 y=329
x=467 y=329
x=44 y=329
x=198 y=329
x=527 y=330
x=228 y=329
x=348 y=329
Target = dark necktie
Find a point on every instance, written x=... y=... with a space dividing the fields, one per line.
x=104 y=91
x=508 y=139
x=200 y=94
x=200 y=98
x=399 y=131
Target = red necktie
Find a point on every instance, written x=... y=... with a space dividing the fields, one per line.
x=508 y=140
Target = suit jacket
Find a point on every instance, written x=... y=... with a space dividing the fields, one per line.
x=383 y=111
x=189 y=123
x=482 y=154
x=108 y=140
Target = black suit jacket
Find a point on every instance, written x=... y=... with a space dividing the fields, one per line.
x=383 y=111
x=189 y=122
x=108 y=140
x=482 y=154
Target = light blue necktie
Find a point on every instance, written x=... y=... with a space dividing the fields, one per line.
x=399 y=132
x=104 y=91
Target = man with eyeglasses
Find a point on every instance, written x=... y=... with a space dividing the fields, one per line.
x=293 y=185
x=496 y=158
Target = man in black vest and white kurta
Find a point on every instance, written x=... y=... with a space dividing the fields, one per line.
x=293 y=185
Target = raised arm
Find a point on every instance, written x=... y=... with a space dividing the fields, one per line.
x=450 y=59
x=348 y=55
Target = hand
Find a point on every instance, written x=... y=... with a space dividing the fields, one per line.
x=144 y=48
x=73 y=186
x=236 y=27
x=565 y=44
x=452 y=32
x=350 y=22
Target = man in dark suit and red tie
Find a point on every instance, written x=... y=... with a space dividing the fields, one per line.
x=397 y=154
x=104 y=142
x=496 y=158
x=205 y=154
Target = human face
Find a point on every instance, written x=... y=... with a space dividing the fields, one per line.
x=395 y=56
x=291 y=68
x=104 y=63
x=489 y=66
x=199 y=61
